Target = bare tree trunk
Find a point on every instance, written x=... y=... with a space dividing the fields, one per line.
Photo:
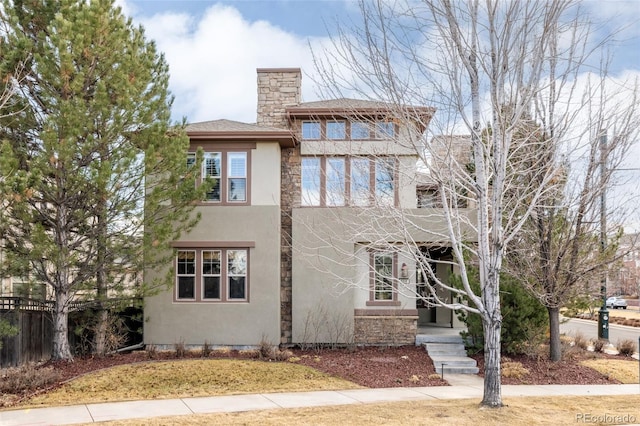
x=555 y=349
x=61 y=348
x=492 y=389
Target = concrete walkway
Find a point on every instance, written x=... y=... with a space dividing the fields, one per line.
x=462 y=386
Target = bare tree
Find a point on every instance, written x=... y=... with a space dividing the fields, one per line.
x=484 y=66
x=565 y=245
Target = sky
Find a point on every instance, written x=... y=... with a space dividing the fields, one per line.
x=214 y=47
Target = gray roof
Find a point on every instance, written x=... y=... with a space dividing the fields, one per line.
x=229 y=126
x=343 y=103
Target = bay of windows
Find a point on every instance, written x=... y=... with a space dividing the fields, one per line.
x=341 y=181
x=341 y=130
x=212 y=275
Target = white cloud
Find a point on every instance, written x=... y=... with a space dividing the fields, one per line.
x=213 y=60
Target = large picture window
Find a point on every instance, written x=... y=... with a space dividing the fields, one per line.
x=355 y=181
x=212 y=275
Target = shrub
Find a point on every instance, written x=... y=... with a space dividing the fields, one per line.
x=152 y=351
x=26 y=378
x=626 y=347
x=524 y=319
x=265 y=349
x=580 y=341
x=513 y=370
x=598 y=345
x=180 y=349
x=206 y=349
x=6 y=330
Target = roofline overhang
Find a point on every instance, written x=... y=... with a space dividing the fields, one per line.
x=284 y=138
x=344 y=112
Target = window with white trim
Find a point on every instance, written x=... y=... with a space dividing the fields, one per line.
x=237 y=176
x=212 y=275
x=229 y=171
x=383 y=278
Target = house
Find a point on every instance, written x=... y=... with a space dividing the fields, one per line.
x=300 y=241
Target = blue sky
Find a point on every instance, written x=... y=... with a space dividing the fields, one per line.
x=214 y=47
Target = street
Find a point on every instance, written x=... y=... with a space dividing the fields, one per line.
x=589 y=329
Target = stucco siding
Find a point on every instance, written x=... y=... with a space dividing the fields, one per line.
x=265 y=175
x=237 y=323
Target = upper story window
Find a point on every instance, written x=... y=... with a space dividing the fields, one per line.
x=237 y=176
x=385 y=130
x=360 y=130
x=229 y=171
x=310 y=130
x=336 y=130
x=385 y=188
x=356 y=181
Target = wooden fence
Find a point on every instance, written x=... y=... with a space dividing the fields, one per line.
x=33 y=319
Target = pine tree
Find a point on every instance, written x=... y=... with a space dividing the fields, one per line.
x=93 y=175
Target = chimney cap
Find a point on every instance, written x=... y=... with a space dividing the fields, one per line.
x=273 y=70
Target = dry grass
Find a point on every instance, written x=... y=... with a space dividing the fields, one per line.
x=530 y=411
x=626 y=371
x=189 y=378
x=624 y=313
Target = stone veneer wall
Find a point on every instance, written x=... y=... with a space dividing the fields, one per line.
x=277 y=89
x=383 y=328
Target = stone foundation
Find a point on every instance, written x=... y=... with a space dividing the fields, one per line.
x=385 y=328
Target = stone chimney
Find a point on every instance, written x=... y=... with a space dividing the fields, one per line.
x=278 y=88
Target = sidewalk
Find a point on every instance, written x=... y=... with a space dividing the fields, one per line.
x=463 y=386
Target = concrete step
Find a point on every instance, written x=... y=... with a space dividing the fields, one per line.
x=457 y=370
x=451 y=349
x=453 y=361
x=421 y=339
x=454 y=364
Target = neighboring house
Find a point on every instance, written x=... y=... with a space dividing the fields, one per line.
x=624 y=278
x=288 y=249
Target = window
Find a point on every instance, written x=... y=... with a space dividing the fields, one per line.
x=237 y=175
x=385 y=193
x=335 y=182
x=237 y=274
x=186 y=274
x=383 y=276
x=360 y=182
x=428 y=198
x=311 y=181
x=212 y=275
x=212 y=170
x=385 y=130
x=357 y=181
x=359 y=130
x=310 y=130
x=228 y=170
x=383 y=279
x=336 y=130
